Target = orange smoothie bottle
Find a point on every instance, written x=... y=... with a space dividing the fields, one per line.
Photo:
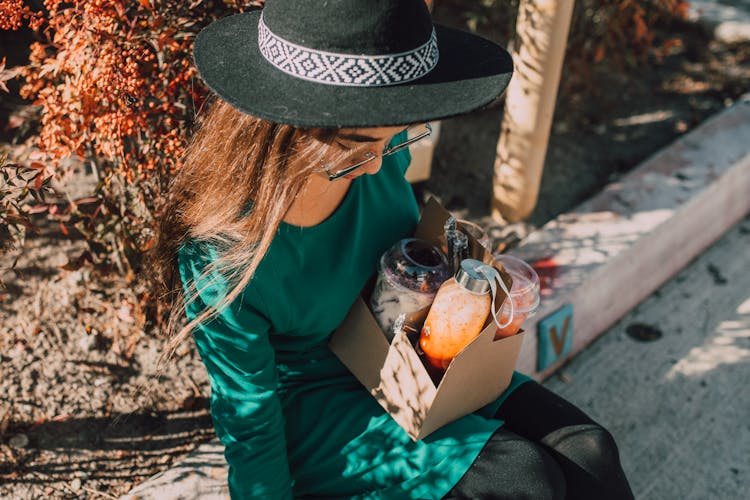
x=457 y=315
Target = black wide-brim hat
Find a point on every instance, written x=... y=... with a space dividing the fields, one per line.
x=348 y=63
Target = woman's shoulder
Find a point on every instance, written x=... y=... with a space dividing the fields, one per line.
x=199 y=276
x=195 y=254
x=201 y=251
x=192 y=249
x=195 y=259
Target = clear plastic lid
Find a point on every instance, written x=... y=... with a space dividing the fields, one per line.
x=415 y=264
x=525 y=281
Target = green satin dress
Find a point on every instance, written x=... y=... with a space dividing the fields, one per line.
x=294 y=421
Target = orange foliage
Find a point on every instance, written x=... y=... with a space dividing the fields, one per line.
x=114 y=83
x=619 y=34
x=13 y=13
x=93 y=76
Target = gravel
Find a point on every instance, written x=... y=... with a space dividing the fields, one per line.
x=83 y=412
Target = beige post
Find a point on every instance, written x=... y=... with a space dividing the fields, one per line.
x=541 y=35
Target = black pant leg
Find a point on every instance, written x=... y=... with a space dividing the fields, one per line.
x=585 y=451
x=510 y=467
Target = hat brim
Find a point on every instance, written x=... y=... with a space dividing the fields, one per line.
x=471 y=72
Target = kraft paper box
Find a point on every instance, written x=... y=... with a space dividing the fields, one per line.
x=395 y=375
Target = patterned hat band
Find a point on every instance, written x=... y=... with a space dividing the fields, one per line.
x=347 y=69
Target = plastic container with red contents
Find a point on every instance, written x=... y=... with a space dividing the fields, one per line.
x=524 y=293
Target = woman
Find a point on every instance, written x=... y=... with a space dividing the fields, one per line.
x=290 y=191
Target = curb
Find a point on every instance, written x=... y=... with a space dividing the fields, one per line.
x=611 y=252
x=603 y=258
x=201 y=475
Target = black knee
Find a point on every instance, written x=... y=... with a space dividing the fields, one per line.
x=591 y=449
x=512 y=468
x=544 y=479
x=590 y=446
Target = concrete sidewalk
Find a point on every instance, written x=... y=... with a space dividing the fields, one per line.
x=679 y=406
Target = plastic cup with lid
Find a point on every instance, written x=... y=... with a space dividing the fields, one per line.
x=409 y=275
x=524 y=293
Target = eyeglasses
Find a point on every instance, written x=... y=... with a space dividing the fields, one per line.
x=421 y=132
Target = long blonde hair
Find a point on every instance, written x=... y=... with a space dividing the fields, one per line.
x=233 y=159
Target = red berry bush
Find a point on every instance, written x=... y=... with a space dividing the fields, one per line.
x=112 y=82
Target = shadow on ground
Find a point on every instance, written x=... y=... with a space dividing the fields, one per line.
x=58 y=451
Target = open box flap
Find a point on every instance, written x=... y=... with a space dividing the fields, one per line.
x=406 y=390
x=355 y=345
x=432 y=223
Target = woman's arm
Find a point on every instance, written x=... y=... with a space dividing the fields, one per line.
x=245 y=408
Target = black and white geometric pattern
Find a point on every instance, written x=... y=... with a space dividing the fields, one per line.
x=347 y=69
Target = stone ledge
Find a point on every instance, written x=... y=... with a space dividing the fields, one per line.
x=615 y=249
x=202 y=475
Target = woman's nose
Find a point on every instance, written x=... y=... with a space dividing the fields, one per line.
x=373 y=166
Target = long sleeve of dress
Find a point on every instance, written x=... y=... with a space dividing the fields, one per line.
x=245 y=408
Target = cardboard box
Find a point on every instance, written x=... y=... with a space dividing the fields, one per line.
x=395 y=375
